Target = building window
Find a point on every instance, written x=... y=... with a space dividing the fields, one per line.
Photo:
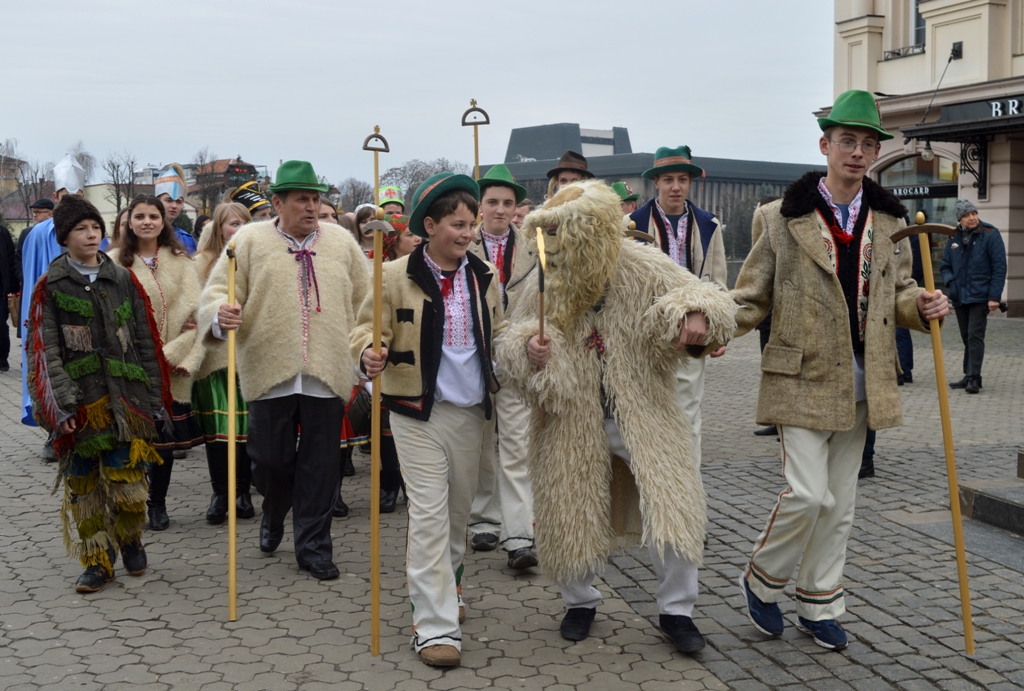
x=917 y=28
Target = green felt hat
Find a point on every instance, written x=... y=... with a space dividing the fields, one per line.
x=392 y=194
x=500 y=175
x=432 y=188
x=667 y=160
x=296 y=175
x=855 y=108
x=625 y=192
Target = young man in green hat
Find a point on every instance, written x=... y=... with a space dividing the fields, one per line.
x=692 y=238
x=627 y=195
x=827 y=370
x=442 y=308
x=391 y=200
x=298 y=290
x=503 y=509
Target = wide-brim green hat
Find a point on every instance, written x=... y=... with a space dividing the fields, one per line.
x=432 y=188
x=500 y=175
x=624 y=191
x=296 y=175
x=668 y=160
x=855 y=108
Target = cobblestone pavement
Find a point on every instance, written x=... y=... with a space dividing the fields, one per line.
x=168 y=628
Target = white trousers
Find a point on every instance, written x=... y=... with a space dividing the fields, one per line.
x=811 y=520
x=504 y=498
x=689 y=394
x=677 y=576
x=439 y=460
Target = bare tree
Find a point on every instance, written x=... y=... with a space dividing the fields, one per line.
x=32 y=183
x=84 y=158
x=410 y=174
x=354 y=192
x=120 y=170
x=210 y=183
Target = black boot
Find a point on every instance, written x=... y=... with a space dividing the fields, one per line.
x=133 y=557
x=217 y=463
x=93 y=579
x=683 y=632
x=347 y=469
x=769 y=431
x=388 y=501
x=962 y=384
x=973 y=385
x=340 y=508
x=576 y=624
x=243 y=505
x=159 y=481
x=243 y=481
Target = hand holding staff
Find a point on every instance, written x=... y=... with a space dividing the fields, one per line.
x=922 y=230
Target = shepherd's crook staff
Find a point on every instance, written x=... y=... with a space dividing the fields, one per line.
x=378 y=282
x=476 y=133
x=232 y=438
x=922 y=230
x=542 y=266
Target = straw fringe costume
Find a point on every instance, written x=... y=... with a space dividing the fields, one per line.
x=95 y=355
x=612 y=357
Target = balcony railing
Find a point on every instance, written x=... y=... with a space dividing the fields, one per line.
x=903 y=52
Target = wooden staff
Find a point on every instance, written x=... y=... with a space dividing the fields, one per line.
x=476 y=132
x=378 y=227
x=541 y=268
x=922 y=230
x=232 y=438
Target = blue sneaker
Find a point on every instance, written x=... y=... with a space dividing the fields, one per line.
x=765 y=616
x=827 y=633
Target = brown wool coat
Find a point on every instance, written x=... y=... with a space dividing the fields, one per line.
x=807 y=366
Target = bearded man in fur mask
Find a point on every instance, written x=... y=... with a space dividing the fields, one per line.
x=613 y=462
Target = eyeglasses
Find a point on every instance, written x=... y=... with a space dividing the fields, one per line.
x=848 y=146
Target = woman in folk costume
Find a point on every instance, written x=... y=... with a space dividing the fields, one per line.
x=620 y=317
x=98 y=381
x=150 y=250
x=210 y=389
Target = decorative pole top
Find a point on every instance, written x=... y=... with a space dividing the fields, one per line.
x=376 y=129
x=472 y=102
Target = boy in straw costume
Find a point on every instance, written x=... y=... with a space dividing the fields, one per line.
x=504 y=501
x=441 y=310
x=837 y=288
x=299 y=285
x=620 y=317
x=97 y=380
x=692 y=238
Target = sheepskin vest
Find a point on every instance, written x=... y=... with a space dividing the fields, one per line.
x=281 y=335
x=173 y=291
x=621 y=353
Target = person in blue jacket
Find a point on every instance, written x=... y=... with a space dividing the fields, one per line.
x=974 y=271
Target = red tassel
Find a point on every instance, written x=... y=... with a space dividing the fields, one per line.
x=165 y=367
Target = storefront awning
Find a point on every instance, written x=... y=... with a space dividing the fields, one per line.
x=966 y=130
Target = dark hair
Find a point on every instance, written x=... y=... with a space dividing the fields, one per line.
x=345 y=221
x=527 y=202
x=115 y=233
x=130 y=242
x=366 y=213
x=197 y=228
x=449 y=202
x=768 y=199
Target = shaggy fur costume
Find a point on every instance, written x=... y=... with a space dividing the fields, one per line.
x=272 y=347
x=615 y=309
x=179 y=283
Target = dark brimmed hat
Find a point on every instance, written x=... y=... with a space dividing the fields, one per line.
x=573 y=161
x=668 y=160
x=432 y=188
x=71 y=211
x=42 y=204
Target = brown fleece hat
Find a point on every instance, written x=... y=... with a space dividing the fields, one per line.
x=71 y=211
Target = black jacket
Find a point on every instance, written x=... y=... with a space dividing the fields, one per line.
x=10 y=267
x=974 y=265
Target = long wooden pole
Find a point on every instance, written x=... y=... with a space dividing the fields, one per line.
x=542 y=264
x=232 y=456
x=378 y=291
x=476 y=152
x=947 y=443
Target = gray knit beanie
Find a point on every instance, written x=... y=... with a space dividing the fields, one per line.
x=964 y=207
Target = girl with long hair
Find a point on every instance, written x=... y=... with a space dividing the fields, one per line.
x=151 y=250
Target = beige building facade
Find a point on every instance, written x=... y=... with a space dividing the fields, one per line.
x=949 y=78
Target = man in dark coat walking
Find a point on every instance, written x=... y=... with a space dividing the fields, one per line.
x=974 y=271
x=10 y=279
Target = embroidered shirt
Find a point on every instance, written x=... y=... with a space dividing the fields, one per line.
x=676 y=234
x=495 y=247
x=460 y=380
x=844 y=222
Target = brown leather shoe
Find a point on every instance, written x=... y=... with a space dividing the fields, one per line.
x=441 y=656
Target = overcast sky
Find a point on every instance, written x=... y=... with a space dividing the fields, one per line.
x=309 y=79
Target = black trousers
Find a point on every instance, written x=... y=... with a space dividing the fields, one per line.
x=972 y=320
x=299 y=475
x=5 y=334
x=217 y=462
x=160 y=478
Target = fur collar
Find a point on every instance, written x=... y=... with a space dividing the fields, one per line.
x=802 y=197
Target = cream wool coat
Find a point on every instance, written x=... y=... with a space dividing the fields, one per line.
x=216 y=351
x=270 y=341
x=177 y=278
x=585 y=505
x=807 y=366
